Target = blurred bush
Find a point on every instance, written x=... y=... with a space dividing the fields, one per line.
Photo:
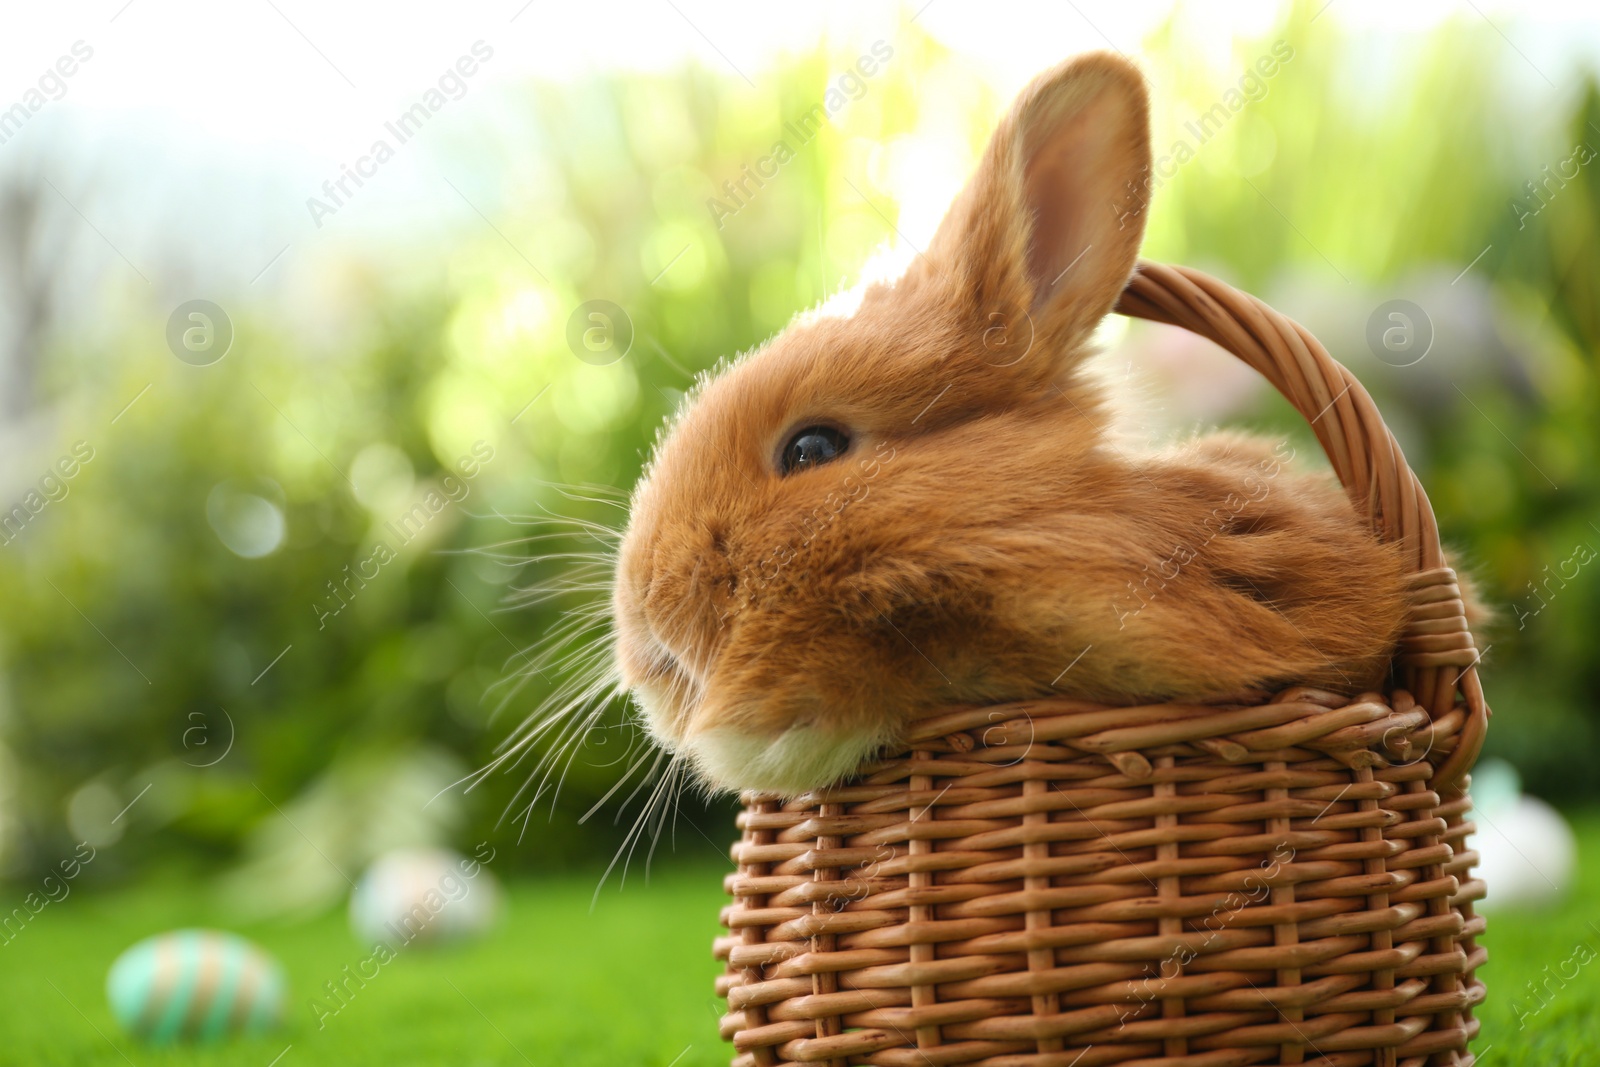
x=208 y=580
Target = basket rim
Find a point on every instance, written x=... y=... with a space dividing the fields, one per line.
x=1367 y=730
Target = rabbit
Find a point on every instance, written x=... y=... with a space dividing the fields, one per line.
x=914 y=504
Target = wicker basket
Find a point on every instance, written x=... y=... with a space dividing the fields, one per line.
x=1062 y=884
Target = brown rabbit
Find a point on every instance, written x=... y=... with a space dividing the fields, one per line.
x=915 y=505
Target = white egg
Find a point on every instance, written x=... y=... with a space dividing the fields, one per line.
x=1527 y=852
x=423 y=896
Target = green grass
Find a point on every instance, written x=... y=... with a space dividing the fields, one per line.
x=628 y=984
x=1542 y=947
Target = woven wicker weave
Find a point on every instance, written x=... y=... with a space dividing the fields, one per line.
x=1062 y=884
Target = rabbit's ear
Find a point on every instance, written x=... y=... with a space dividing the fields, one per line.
x=1049 y=227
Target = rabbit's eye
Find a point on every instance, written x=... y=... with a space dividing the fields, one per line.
x=812 y=446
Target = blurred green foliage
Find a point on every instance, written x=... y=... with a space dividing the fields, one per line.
x=130 y=625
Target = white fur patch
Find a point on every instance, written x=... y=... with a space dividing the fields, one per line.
x=654 y=710
x=799 y=759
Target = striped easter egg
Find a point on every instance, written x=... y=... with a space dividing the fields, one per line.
x=189 y=985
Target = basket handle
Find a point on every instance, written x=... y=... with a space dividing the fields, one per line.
x=1436 y=656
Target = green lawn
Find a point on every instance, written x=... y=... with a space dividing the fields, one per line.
x=628 y=984
x=1554 y=950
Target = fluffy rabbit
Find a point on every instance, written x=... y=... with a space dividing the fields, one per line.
x=914 y=505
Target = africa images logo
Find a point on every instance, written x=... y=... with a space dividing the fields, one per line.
x=848 y=87
x=1251 y=87
x=403 y=128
